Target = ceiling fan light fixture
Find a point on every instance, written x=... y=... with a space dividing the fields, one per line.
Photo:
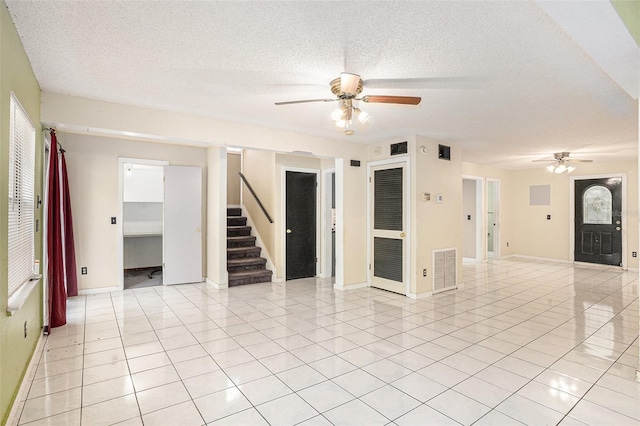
x=362 y=116
x=551 y=167
x=570 y=169
x=560 y=169
x=342 y=123
x=337 y=114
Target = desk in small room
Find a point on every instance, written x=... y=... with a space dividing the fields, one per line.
x=142 y=244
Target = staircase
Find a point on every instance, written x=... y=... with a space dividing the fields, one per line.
x=244 y=264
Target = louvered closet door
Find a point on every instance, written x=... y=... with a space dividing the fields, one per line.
x=388 y=245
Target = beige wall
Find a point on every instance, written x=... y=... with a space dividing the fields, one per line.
x=264 y=172
x=434 y=225
x=92 y=163
x=80 y=115
x=533 y=232
x=234 y=165
x=469 y=236
x=505 y=213
x=216 y=223
x=526 y=227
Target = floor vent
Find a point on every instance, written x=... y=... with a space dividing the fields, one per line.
x=444 y=270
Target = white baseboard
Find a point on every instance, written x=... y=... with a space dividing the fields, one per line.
x=350 y=286
x=633 y=269
x=216 y=285
x=100 y=290
x=25 y=385
x=417 y=296
x=544 y=259
x=598 y=266
x=278 y=279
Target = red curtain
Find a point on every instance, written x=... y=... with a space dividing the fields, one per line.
x=69 y=245
x=61 y=271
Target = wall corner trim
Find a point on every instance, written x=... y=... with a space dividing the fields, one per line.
x=350 y=286
x=417 y=296
x=214 y=284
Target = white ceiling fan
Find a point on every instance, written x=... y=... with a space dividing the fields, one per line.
x=561 y=162
x=346 y=88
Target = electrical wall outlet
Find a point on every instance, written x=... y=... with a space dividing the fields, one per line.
x=83 y=270
x=507 y=243
x=424 y=272
x=25 y=329
x=634 y=254
x=113 y=220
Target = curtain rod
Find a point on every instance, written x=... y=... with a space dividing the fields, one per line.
x=51 y=129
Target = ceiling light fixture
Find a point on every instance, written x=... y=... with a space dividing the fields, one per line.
x=559 y=167
x=343 y=116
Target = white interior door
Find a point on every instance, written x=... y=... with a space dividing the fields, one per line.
x=182 y=234
x=389 y=227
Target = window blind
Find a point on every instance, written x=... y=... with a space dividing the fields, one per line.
x=21 y=196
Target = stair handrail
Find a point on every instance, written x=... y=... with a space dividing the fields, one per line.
x=246 y=182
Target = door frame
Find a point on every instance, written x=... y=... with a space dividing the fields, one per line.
x=572 y=216
x=119 y=228
x=283 y=215
x=481 y=217
x=496 y=217
x=325 y=271
x=406 y=162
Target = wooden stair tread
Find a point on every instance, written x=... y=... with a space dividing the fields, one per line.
x=244 y=264
x=246 y=261
x=250 y=273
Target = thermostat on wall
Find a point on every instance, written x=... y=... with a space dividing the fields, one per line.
x=439 y=198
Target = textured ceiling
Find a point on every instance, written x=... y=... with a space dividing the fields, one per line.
x=503 y=80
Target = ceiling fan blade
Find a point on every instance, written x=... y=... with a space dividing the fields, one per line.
x=543 y=161
x=349 y=83
x=426 y=83
x=304 y=101
x=384 y=99
x=575 y=160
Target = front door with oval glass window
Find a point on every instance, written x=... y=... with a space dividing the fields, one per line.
x=598 y=222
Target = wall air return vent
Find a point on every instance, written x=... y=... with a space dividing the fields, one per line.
x=444 y=270
x=399 y=148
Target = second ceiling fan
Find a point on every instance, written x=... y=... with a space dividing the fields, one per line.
x=347 y=87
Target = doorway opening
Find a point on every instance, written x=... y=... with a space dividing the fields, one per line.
x=301 y=223
x=472 y=221
x=142 y=224
x=329 y=223
x=493 y=219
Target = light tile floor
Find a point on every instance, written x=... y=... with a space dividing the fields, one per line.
x=520 y=342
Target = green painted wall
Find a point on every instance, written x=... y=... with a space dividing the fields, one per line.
x=629 y=11
x=15 y=350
